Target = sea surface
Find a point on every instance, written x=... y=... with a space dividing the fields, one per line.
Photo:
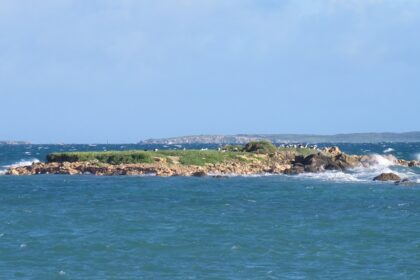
x=333 y=225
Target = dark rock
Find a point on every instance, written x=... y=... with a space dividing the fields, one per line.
x=311 y=169
x=405 y=182
x=220 y=176
x=297 y=169
x=199 y=174
x=299 y=159
x=319 y=162
x=387 y=177
x=332 y=166
x=413 y=163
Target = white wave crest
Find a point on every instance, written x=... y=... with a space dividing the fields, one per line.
x=378 y=161
x=389 y=150
x=417 y=156
x=372 y=166
x=331 y=176
x=23 y=162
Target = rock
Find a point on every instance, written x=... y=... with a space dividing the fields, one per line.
x=332 y=166
x=199 y=174
x=12 y=171
x=346 y=161
x=278 y=168
x=332 y=150
x=220 y=176
x=296 y=169
x=299 y=159
x=319 y=162
x=413 y=163
x=387 y=177
x=405 y=182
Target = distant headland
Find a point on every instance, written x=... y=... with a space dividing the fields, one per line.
x=290 y=138
x=15 y=143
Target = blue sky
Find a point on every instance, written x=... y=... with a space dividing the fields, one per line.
x=91 y=71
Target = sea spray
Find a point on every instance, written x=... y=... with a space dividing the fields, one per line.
x=22 y=163
x=338 y=176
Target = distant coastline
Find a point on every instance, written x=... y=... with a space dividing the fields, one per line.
x=289 y=138
x=15 y=143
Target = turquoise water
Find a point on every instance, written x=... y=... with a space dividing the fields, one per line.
x=272 y=227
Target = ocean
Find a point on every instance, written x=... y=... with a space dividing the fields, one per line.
x=332 y=225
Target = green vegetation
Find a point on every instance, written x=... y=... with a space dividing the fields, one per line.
x=260 y=147
x=188 y=157
x=253 y=151
x=112 y=157
x=233 y=148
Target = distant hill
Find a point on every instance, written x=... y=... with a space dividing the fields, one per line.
x=14 y=143
x=291 y=138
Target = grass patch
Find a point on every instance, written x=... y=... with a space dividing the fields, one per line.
x=188 y=157
x=261 y=147
x=111 y=157
x=258 y=152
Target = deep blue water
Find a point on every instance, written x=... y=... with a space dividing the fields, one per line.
x=270 y=227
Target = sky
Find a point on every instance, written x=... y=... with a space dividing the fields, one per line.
x=119 y=71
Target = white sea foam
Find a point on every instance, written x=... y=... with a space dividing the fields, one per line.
x=389 y=150
x=378 y=161
x=331 y=176
x=23 y=162
x=372 y=167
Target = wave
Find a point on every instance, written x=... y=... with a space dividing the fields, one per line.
x=417 y=156
x=23 y=162
x=373 y=166
x=389 y=150
x=331 y=176
x=378 y=162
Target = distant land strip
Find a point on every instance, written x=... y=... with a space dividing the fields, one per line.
x=289 y=138
x=15 y=143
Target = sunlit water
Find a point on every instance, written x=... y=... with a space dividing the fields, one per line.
x=331 y=226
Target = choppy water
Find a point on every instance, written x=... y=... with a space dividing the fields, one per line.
x=273 y=227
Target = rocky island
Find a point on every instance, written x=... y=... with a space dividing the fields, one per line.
x=259 y=157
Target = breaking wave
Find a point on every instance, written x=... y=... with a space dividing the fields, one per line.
x=331 y=176
x=23 y=162
x=372 y=167
x=389 y=150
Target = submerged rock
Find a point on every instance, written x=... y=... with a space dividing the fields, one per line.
x=405 y=182
x=387 y=177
